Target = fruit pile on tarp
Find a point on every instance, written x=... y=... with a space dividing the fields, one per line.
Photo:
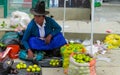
x=54 y=62
x=112 y=41
x=81 y=64
x=27 y=68
x=30 y=68
x=67 y=49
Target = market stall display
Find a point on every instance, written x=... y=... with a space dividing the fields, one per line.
x=27 y=68
x=81 y=64
x=67 y=49
x=113 y=41
x=51 y=62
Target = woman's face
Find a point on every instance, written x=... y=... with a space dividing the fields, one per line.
x=39 y=19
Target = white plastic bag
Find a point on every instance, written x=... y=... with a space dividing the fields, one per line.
x=87 y=68
x=86 y=42
x=93 y=51
x=21 y=19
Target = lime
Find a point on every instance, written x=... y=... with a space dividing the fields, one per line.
x=28 y=69
x=24 y=66
x=33 y=69
x=18 y=66
x=35 y=66
x=53 y=64
x=57 y=63
x=21 y=63
x=38 y=69
x=30 y=66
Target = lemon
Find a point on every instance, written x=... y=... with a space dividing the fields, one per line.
x=57 y=63
x=28 y=69
x=21 y=66
x=33 y=69
x=18 y=66
x=35 y=66
x=30 y=66
x=56 y=60
x=50 y=63
x=24 y=66
x=38 y=69
x=53 y=64
x=21 y=63
x=52 y=60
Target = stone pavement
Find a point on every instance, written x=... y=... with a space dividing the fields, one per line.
x=109 y=64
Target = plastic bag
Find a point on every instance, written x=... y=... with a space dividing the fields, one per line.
x=86 y=68
x=93 y=51
x=86 y=42
x=10 y=38
x=19 y=20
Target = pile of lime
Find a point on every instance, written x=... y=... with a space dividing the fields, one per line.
x=54 y=62
x=82 y=58
x=33 y=68
x=67 y=49
x=21 y=65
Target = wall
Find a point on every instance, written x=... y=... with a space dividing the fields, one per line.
x=71 y=13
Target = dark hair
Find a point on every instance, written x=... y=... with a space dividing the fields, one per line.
x=43 y=15
x=40 y=15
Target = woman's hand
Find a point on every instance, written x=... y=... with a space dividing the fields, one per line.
x=48 y=39
x=30 y=53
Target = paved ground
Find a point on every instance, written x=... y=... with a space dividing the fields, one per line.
x=108 y=12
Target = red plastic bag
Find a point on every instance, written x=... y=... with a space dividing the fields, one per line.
x=14 y=51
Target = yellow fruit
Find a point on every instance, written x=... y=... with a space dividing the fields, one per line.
x=24 y=66
x=35 y=66
x=74 y=56
x=53 y=64
x=30 y=66
x=28 y=69
x=81 y=61
x=21 y=63
x=57 y=63
x=18 y=66
x=56 y=60
x=50 y=63
x=33 y=69
x=77 y=60
x=38 y=69
x=87 y=59
x=21 y=66
x=52 y=60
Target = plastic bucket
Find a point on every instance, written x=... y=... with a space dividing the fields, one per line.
x=14 y=51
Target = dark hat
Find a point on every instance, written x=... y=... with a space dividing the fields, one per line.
x=39 y=9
